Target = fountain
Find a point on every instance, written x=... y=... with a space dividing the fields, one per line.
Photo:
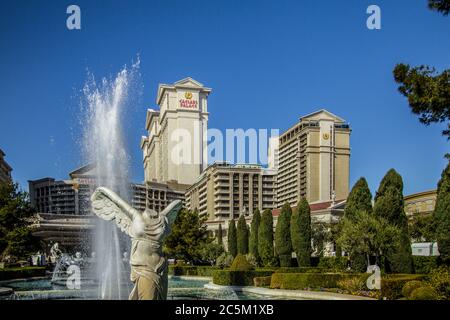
x=103 y=144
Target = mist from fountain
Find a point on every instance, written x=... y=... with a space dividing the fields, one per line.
x=104 y=146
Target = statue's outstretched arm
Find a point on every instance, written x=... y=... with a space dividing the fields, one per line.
x=108 y=205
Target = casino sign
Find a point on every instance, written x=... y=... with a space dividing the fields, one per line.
x=188 y=102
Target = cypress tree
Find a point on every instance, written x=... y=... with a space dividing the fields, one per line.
x=389 y=204
x=359 y=199
x=283 y=243
x=441 y=215
x=253 y=245
x=220 y=235
x=301 y=233
x=265 y=238
x=232 y=238
x=242 y=236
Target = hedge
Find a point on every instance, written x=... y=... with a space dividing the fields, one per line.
x=392 y=285
x=19 y=273
x=423 y=264
x=262 y=281
x=302 y=270
x=204 y=271
x=335 y=263
x=295 y=281
x=238 y=278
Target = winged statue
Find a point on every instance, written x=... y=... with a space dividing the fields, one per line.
x=147 y=231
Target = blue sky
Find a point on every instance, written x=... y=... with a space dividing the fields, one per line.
x=268 y=62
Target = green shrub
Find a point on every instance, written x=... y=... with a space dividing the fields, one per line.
x=307 y=280
x=240 y=263
x=410 y=286
x=334 y=263
x=392 y=285
x=252 y=259
x=18 y=273
x=302 y=270
x=224 y=260
x=262 y=281
x=238 y=278
x=424 y=265
x=439 y=279
x=424 y=293
x=354 y=284
x=203 y=271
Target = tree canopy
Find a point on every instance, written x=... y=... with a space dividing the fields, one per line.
x=265 y=238
x=15 y=213
x=301 y=233
x=232 y=238
x=253 y=242
x=242 y=236
x=188 y=236
x=283 y=243
x=441 y=215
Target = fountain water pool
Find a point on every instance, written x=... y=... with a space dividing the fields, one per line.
x=179 y=288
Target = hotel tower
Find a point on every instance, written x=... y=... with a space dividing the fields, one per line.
x=314 y=160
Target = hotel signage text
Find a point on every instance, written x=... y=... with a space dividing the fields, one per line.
x=188 y=102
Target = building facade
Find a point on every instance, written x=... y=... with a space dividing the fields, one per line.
x=421 y=203
x=5 y=168
x=72 y=196
x=314 y=160
x=175 y=149
x=225 y=191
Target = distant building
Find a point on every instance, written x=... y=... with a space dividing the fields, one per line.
x=225 y=191
x=64 y=206
x=175 y=150
x=314 y=160
x=5 y=169
x=420 y=203
x=273 y=154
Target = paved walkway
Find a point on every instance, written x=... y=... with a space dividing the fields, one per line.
x=303 y=294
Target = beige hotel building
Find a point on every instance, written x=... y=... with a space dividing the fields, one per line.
x=314 y=160
x=183 y=110
x=225 y=191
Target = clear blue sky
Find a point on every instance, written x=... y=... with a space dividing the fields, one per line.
x=268 y=63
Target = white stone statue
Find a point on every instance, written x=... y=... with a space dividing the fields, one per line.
x=147 y=231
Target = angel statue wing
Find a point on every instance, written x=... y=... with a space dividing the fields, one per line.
x=171 y=211
x=107 y=205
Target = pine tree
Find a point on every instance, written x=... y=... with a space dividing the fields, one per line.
x=441 y=215
x=232 y=238
x=220 y=235
x=283 y=243
x=389 y=204
x=359 y=199
x=242 y=236
x=265 y=238
x=253 y=245
x=301 y=233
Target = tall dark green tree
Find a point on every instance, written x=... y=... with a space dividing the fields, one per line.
x=187 y=237
x=265 y=238
x=220 y=235
x=283 y=243
x=301 y=233
x=441 y=215
x=389 y=205
x=242 y=236
x=253 y=243
x=232 y=238
x=15 y=213
x=359 y=199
